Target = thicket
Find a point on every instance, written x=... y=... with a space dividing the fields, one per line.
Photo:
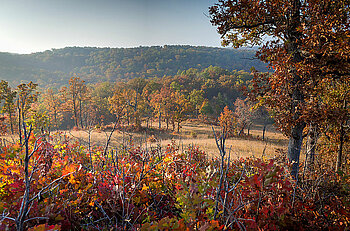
x=53 y=183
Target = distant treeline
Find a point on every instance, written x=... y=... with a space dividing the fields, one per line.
x=55 y=67
x=191 y=94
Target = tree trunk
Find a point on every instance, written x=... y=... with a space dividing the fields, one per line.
x=264 y=130
x=19 y=123
x=241 y=131
x=311 y=147
x=294 y=147
x=128 y=118
x=248 y=132
x=75 y=113
x=340 y=148
x=160 y=120
x=25 y=199
x=341 y=141
x=293 y=48
x=11 y=122
x=55 y=118
x=80 y=114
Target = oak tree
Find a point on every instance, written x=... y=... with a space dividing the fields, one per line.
x=303 y=41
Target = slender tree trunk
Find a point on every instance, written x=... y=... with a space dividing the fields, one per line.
x=311 y=147
x=341 y=141
x=340 y=148
x=128 y=117
x=80 y=114
x=242 y=130
x=248 y=132
x=11 y=122
x=160 y=120
x=19 y=123
x=25 y=200
x=75 y=113
x=264 y=130
x=55 y=118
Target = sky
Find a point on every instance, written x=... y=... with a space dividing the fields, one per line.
x=28 y=26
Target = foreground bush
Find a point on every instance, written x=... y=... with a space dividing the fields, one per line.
x=128 y=188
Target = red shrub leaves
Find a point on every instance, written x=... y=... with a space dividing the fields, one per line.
x=132 y=188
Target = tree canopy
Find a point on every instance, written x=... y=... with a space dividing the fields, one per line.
x=304 y=42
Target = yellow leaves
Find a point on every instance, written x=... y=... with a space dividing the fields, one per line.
x=59 y=146
x=45 y=227
x=145 y=187
x=70 y=169
x=92 y=203
x=72 y=180
x=166 y=223
x=167 y=159
x=59 y=218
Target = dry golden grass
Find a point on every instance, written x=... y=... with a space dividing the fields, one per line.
x=192 y=133
x=239 y=147
x=195 y=134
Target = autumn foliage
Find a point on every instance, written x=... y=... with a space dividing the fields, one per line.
x=228 y=122
x=50 y=182
x=131 y=188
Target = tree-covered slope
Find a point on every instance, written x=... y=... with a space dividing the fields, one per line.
x=56 y=66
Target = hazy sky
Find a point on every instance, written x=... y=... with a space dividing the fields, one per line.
x=35 y=25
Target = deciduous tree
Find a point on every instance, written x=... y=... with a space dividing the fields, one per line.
x=53 y=104
x=26 y=95
x=8 y=96
x=308 y=42
x=228 y=122
x=75 y=95
x=245 y=114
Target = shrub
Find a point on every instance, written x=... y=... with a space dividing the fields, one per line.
x=131 y=188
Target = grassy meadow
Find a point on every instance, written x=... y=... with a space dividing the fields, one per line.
x=194 y=134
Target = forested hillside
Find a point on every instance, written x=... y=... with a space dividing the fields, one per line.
x=55 y=67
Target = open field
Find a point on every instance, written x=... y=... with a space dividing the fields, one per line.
x=192 y=133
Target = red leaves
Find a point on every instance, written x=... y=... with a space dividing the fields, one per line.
x=163 y=191
x=45 y=227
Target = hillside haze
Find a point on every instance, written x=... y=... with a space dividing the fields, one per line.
x=54 y=67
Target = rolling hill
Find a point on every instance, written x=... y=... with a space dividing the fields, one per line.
x=54 y=67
